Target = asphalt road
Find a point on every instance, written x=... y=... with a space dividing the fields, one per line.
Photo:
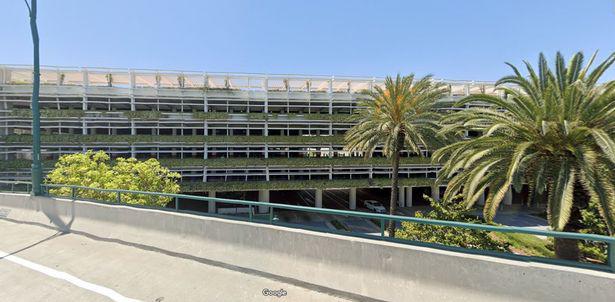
x=40 y=264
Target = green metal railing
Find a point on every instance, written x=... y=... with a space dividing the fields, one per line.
x=15 y=186
x=383 y=219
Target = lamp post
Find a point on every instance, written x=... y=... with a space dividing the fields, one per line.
x=37 y=173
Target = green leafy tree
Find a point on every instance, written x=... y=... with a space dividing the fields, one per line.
x=552 y=130
x=94 y=169
x=453 y=210
x=398 y=117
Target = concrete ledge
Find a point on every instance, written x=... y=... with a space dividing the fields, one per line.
x=380 y=270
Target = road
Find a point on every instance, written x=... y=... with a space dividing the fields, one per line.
x=41 y=264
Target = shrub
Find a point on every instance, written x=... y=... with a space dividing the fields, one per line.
x=593 y=224
x=453 y=210
x=93 y=169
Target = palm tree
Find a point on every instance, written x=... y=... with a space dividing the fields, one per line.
x=552 y=130
x=398 y=117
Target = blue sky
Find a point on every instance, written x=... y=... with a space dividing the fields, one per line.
x=451 y=39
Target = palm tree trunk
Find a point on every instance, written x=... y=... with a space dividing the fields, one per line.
x=569 y=248
x=395 y=184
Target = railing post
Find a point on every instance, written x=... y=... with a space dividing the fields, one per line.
x=270 y=215
x=610 y=256
x=250 y=212
x=382 y=227
x=118 y=197
x=176 y=204
x=73 y=192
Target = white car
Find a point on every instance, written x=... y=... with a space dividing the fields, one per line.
x=374 y=206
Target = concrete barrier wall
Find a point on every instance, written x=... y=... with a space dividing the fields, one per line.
x=380 y=270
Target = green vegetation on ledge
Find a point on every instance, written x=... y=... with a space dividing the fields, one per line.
x=156 y=115
x=49 y=113
x=79 y=139
x=299 y=184
x=339 y=118
x=244 y=162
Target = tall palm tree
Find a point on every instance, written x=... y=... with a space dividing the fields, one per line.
x=552 y=130
x=397 y=117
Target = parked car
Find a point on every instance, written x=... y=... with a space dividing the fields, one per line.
x=374 y=206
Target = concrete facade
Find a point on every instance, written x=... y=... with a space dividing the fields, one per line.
x=208 y=127
x=371 y=268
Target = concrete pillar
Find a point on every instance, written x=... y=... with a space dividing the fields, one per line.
x=481 y=199
x=211 y=205
x=435 y=193
x=508 y=197
x=408 y=196
x=331 y=95
x=266 y=105
x=352 y=198
x=401 y=197
x=263 y=196
x=318 y=198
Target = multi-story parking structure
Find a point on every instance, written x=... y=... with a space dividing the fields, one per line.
x=223 y=132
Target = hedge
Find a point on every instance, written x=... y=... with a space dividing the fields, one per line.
x=245 y=162
x=289 y=162
x=80 y=138
x=342 y=118
x=300 y=184
x=156 y=115
x=49 y=113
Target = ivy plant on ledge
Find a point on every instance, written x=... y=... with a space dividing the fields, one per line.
x=144 y=115
x=250 y=162
x=49 y=113
x=80 y=139
x=339 y=118
x=301 y=184
x=290 y=162
x=156 y=115
x=210 y=115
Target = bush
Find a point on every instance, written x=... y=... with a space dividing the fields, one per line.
x=93 y=169
x=593 y=224
x=453 y=210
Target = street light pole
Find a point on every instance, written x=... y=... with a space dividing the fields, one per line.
x=37 y=173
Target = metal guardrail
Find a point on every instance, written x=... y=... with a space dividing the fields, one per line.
x=382 y=218
x=15 y=186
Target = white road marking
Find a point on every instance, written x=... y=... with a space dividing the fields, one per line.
x=111 y=294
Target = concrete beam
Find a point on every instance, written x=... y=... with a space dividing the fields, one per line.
x=318 y=198
x=352 y=198
x=211 y=205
